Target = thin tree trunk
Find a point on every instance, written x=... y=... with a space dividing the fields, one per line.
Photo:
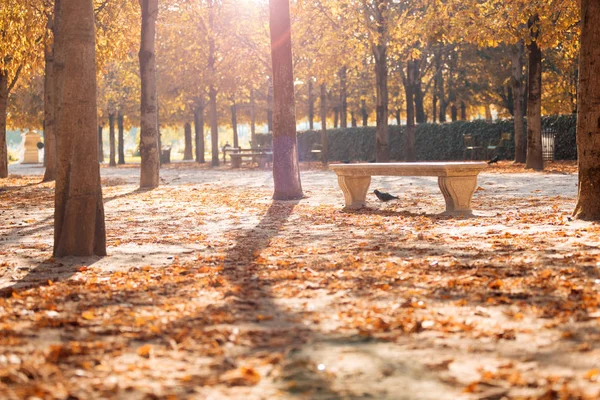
x=79 y=211
x=270 y=105
x=336 y=117
x=324 y=158
x=588 y=114
x=187 y=133
x=236 y=141
x=111 y=139
x=286 y=172
x=199 y=131
x=3 y=112
x=343 y=98
x=534 y=107
x=439 y=82
x=214 y=127
x=434 y=102
x=49 y=108
x=409 y=138
x=121 y=138
x=463 y=111
x=364 y=113
x=149 y=140
x=100 y=143
x=311 y=105
x=398 y=120
x=252 y=119
x=420 y=115
x=353 y=119
x=517 y=85
x=382 y=149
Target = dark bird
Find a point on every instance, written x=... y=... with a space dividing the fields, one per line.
x=494 y=160
x=383 y=196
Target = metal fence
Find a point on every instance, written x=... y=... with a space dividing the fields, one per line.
x=548 y=135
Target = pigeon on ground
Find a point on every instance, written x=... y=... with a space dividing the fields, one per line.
x=494 y=160
x=383 y=196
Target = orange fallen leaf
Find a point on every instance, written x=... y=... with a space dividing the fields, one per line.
x=145 y=351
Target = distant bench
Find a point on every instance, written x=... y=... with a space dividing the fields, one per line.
x=262 y=158
x=457 y=180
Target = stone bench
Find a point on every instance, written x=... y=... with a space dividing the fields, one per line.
x=263 y=158
x=457 y=180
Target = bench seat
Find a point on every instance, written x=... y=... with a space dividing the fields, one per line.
x=457 y=180
x=263 y=158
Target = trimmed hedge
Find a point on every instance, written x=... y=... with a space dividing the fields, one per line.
x=433 y=142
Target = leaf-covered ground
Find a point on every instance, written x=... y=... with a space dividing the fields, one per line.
x=211 y=290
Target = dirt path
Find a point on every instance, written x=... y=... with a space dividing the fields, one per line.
x=211 y=290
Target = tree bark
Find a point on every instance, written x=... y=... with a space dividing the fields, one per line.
x=3 y=112
x=343 y=98
x=439 y=83
x=236 y=141
x=517 y=89
x=121 y=138
x=270 y=105
x=382 y=150
x=149 y=141
x=311 y=106
x=49 y=108
x=353 y=119
x=214 y=127
x=79 y=228
x=463 y=111
x=588 y=115
x=534 y=107
x=324 y=158
x=111 y=139
x=409 y=138
x=199 y=130
x=187 y=133
x=364 y=112
x=398 y=120
x=100 y=143
x=252 y=118
x=336 y=117
x=286 y=172
x=420 y=115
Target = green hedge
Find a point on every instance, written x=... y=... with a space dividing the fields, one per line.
x=433 y=142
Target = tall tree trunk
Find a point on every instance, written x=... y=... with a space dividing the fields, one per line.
x=488 y=112
x=434 y=102
x=149 y=147
x=79 y=228
x=111 y=140
x=286 y=172
x=100 y=141
x=199 y=130
x=353 y=119
x=517 y=85
x=398 y=120
x=439 y=83
x=588 y=114
x=187 y=134
x=343 y=98
x=252 y=118
x=324 y=158
x=336 y=117
x=311 y=105
x=534 y=107
x=463 y=111
x=382 y=139
x=49 y=107
x=214 y=127
x=420 y=115
x=270 y=105
x=3 y=112
x=364 y=113
x=121 y=138
x=236 y=141
x=409 y=138
x=453 y=112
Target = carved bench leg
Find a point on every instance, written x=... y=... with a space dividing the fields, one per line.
x=236 y=162
x=458 y=191
x=355 y=190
